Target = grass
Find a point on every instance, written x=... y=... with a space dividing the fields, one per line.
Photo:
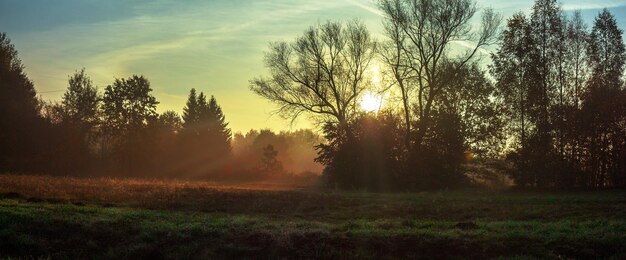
x=48 y=217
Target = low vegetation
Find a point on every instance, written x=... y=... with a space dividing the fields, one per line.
x=128 y=218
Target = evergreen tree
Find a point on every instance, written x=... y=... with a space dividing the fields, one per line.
x=190 y=111
x=205 y=139
x=22 y=130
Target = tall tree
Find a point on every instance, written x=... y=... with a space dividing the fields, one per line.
x=577 y=38
x=190 y=111
x=21 y=126
x=128 y=107
x=470 y=95
x=512 y=71
x=80 y=102
x=604 y=103
x=205 y=136
x=421 y=34
x=77 y=119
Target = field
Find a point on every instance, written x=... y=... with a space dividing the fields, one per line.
x=48 y=217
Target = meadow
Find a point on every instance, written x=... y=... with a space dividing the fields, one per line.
x=59 y=217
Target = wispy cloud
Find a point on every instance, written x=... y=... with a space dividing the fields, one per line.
x=367 y=6
x=586 y=5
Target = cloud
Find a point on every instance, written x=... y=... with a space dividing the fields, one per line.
x=587 y=5
x=367 y=7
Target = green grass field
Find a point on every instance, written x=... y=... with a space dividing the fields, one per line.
x=47 y=217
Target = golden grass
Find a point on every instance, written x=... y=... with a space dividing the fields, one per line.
x=117 y=190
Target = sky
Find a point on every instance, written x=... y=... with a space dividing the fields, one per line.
x=214 y=46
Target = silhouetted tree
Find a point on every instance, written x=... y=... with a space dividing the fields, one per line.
x=468 y=94
x=77 y=117
x=164 y=133
x=22 y=130
x=205 y=136
x=421 y=34
x=321 y=73
x=604 y=104
x=128 y=107
x=371 y=159
x=191 y=113
x=269 y=163
x=569 y=123
x=512 y=69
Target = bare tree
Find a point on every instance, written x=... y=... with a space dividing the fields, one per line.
x=421 y=33
x=321 y=73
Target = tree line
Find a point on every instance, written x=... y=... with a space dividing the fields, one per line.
x=552 y=104
x=549 y=110
x=118 y=132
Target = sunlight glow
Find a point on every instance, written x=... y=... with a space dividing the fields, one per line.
x=371 y=102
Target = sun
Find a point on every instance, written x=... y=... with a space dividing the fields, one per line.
x=371 y=102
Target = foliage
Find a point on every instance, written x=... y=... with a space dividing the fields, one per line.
x=562 y=91
x=204 y=141
x=21 y=127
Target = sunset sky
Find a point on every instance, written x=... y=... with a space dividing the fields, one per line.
x=214 y=46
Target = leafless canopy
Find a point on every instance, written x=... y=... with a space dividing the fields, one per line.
x=321 y=73
x=420 y=36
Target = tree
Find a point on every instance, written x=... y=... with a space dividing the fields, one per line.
x=128 y=104
x=546 y=30
x=321 y=73
x=163 y=133
x=205 y=136
x=269 y=163
x=128 y=107
x=80 y=102
x=170 y=122
x=511 y=69
x=370 y=159
x=213 y=120
x=470 y=95
x=190 y=112
x=577 y=38
x=77 y=117
x=22 y=130
x=421 y=34
x=604 y=103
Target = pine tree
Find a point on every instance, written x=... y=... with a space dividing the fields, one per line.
x=205 y=139
x=190 y=111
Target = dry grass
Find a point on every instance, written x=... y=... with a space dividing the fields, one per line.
x=76 y=218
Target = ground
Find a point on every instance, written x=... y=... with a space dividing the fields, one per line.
x=53 y=217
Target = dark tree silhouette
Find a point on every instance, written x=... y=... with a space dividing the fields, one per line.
x=562 y=88
x=512 y=69
x=77 y=117
x=370 y=159
x=269 y=164
x=321 y=73
x=604 y=104
x=469 y=94
x=128 y=107
x=205 y=136
x=22 y=130
x=421 y=34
